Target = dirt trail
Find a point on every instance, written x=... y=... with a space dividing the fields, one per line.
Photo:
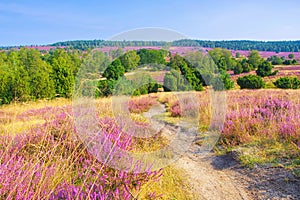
x=211 y=183
x=222 y=177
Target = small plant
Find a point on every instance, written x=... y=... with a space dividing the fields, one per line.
x=142 y=104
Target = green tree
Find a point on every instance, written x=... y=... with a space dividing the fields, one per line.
x=202 y=66
x=170 y=82
x=130 y=60
x=238 y=68
x=20 y=79
x=245 y=65
x=105 y=88
x=287 y=83
x=176 y=61
x=116 y=53
x=150 y=56
x=251 y=82
x=222 y=81
x=254 y=59
x=6 y=88
x=265 y=69
x=222 y=58
x=173 y=81
x=275 y=60
x=144 y=84
x=63 y=67
x=95 y=62
x=41 y=84
x=115 y=70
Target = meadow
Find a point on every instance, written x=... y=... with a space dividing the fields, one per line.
x=43 y=158
x=44 y=154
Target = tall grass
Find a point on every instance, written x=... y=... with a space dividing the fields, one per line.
x=45 y=159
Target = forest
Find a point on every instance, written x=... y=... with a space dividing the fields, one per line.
x=275 y=46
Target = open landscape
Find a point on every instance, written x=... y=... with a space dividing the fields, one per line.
x=43 y=154
x=149 y=100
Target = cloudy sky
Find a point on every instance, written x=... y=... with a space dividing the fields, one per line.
x=24 y=22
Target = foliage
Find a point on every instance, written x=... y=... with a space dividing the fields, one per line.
x=238 y=68
x=290 y=62
x=291 y=56
x=265 y=69
x=115 y=70
x=287 y=83
x=130 y=60
x=222 y=82
x=173 y=81
x=144 y=84
x=116 y=53
x=246 y=66
x=222 y=58
x=63 y=72
x=203 y=66
x=95 y=62
x=275 y=60
x=251 y=82
x=254 y=59
x=105 y=88
x=150 y=56
x=276 y=46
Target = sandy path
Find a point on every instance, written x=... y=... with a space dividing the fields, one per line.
x=209 y=181
x=223 y=178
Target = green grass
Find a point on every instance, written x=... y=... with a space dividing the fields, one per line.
x=263 y=152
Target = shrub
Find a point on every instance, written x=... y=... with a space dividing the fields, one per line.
x=251 y=82
x=222 y=82
x=265 y=69
x=238 y=68
x=291 y=56
x=287 y=83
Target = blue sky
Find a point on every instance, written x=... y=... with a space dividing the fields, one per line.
x=43 y=22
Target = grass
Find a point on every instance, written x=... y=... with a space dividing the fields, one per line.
x=261 y=126
x=50 y=160
x=171 y=185
x=44 y=156
x=262 y=152
x=260 y=129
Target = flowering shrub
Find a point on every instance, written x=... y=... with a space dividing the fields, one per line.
x=143 y=104
x=260 y=116
x=49 y=161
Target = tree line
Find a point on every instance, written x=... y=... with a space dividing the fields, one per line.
x=275 y=46
x=28 y=74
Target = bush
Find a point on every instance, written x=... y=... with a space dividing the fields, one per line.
x=251 y=82
x=222 y=82
x=287 y=83
x=238 y=68
x=265 y=69
x=291 y=56
x=290 y=62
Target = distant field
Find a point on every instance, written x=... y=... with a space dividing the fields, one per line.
x=178 y=50
x=282 y=72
